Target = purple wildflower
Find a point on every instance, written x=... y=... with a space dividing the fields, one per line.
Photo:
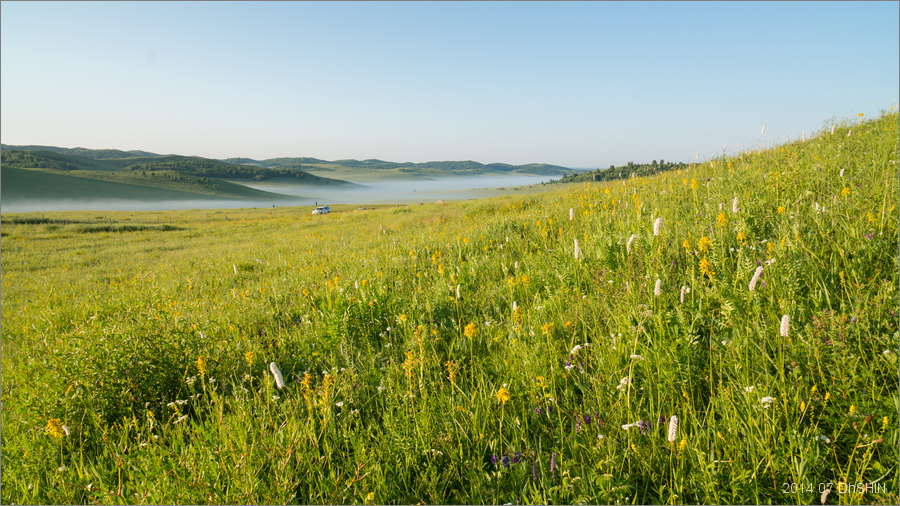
x=644 y=426
x=537 y=410
x=553 y=462
x=662 y=419
x=494 y=459
x=506 y=461
x=534 y=471
x=549 y=409
x=868 y=236
x=587 y=419
x=517 y=457
x=577 y=425
x=853 y=320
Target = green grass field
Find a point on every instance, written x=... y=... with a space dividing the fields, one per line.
x=47 y=185
x=463 y=353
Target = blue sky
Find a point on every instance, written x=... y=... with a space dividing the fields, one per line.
x=580 y=84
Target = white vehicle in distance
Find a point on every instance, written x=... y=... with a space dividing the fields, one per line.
x=322 y=210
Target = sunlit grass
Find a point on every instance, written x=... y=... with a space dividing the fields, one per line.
x=462 y=352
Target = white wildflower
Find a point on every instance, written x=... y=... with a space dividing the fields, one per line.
x=457 y=291
x=832 y=129
x=684 y=290
x=571 y=214
x=755 y=278
x=234 y=267
x=339 y=404
x=66 y=430
x=623 y=383
x=673 y=428
x=629 y=425
x=279 y=379
x=734 y=205
x=577 y=250
x=628 y=244
x=657 y=290
x=785 y=324
x=764 y=129
x=824 y=439
x=842 y=173
x=656 y=225
x=636 y=357
x=181 y=419
x=749 y=389
x=767 y=400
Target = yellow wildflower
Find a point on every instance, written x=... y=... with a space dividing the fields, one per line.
x=686 y=245
x=780 y=209
x=813 y=390
x=201 y=365
x=845 y=191
x=827 y=396
x=741 y=236
x=706 y=268
x=402 y=318
x=682 y=445
x=370 y=497
x=694 y=184
x=802 y=406
x=249 y=356
x=852 y=409
x=703 y=244
x=470 y=330
x=55 y=429
x=721 y=220
x=546 y=328
x=452 y=368
x=503 y=395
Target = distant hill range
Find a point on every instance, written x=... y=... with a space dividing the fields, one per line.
x=42 y=172
x=460 y=168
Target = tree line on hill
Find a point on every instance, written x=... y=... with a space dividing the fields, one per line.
x=35 y=159
x=203 y=167
x=622 y=172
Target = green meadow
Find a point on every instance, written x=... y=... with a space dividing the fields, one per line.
x=722 y=333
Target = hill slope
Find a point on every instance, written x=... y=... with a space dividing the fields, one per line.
x=710 y=335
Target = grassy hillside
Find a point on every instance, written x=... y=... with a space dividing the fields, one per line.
x=94 y=154
x=53 y=175
x=47 y=184
x=726 y=333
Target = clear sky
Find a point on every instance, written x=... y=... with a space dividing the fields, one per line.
x=580 y=84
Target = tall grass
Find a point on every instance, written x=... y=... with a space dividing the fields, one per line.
x=460 y=353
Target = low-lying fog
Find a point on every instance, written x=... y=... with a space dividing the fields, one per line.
x=379 y=192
